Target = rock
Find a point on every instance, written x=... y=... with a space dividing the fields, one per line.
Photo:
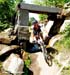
x=8 y=49
x=2 y=46
x=66 y=22
x=39 y=66
x=23 y=32
x=54 y=39
x=6 y=38
x=67 y=12
x=9 y=30
x=67 y=9
x=14 y=64
x=67 y=5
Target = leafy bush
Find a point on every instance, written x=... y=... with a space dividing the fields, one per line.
x=27 y=63
x=65 y=41
x=4 y=26
x=66 y=71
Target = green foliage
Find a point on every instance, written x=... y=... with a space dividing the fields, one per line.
x=4 y=26
x=25 y=70
x=51 y=3
x=7 y=10
x=1 y=1
x=66 y=32
x=64 y=43
x=30 y=20
x=66 y=39
x=42 y=17
x=56 y=3
x=29 y=24
x=27 y=63
x=66 y=1
x=66 y=71
x=0 y=65
x=57 y=63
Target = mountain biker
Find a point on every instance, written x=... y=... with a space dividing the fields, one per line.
x=35 y=35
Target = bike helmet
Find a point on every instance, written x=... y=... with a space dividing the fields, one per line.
x=34 y=22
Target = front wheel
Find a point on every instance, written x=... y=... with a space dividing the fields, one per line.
x=48 y=60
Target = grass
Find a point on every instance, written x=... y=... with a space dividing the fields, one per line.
x=27 y=63
x=66 y=71
x=0 y=65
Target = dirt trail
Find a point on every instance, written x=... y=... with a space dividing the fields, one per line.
x=40 y=67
